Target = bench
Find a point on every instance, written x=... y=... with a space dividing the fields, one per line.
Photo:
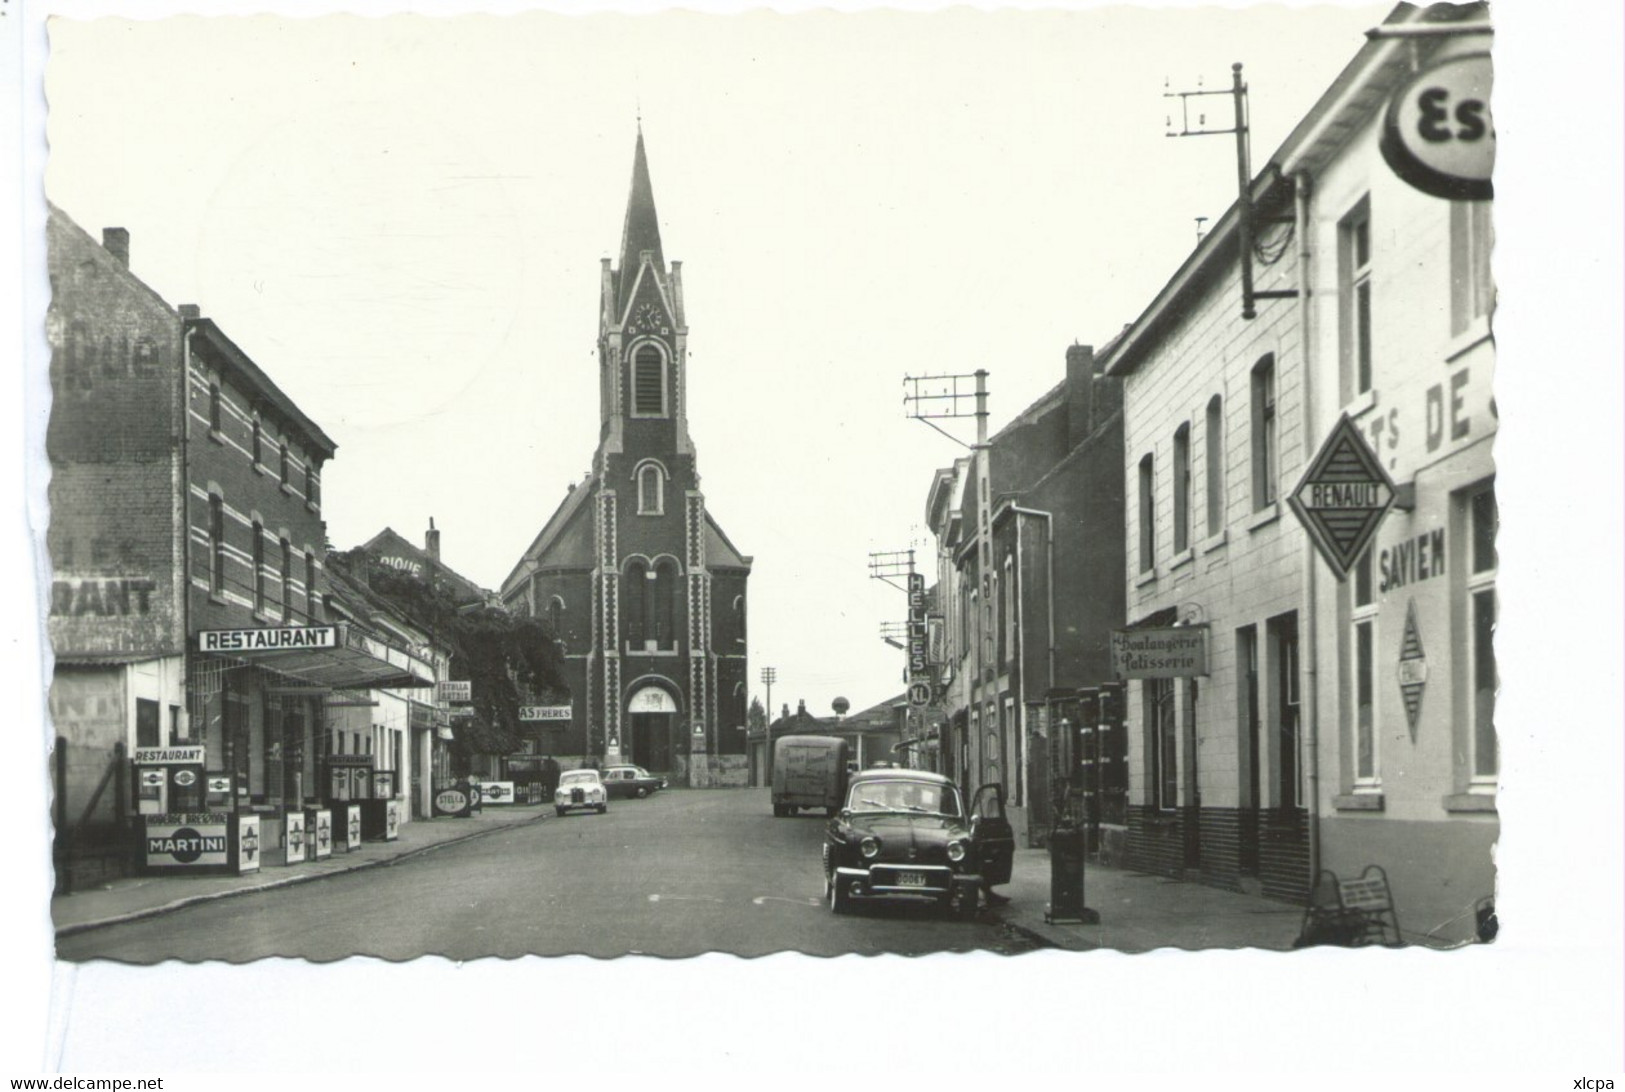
x=1352 y=913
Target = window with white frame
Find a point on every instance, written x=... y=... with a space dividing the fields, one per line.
x=1364 y=652
x=1472 y=289
x=1148 y=514
x=1215 y=465
x=649 y=382
x=1354 y=264
x=1264 y=433
x=1483 y=517
x=1182 y=488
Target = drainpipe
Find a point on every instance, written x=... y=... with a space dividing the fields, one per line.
x=1301 y=187
x=1049 y=615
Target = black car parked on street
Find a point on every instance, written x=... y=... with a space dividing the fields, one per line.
x=906 y=835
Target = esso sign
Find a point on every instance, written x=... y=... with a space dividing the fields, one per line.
x=1438 y=134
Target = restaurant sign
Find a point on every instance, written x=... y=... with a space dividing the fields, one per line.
x=167 y=756
x=1172 y=652
x=270 y=639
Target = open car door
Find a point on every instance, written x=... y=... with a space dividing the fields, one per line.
x=992 y=839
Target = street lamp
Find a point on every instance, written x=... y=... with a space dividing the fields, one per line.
x=768 y=675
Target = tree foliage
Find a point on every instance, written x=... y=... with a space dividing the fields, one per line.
x=511 y=660
x=756 y=719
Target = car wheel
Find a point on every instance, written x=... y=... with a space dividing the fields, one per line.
x=642 y=792
x=965 y=902
x=560 y=811
x=840 y=902
x=602 y=808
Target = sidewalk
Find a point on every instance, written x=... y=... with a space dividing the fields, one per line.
x=1141 y=912
x=143 y=896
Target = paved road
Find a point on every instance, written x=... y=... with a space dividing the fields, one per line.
x=680 y=873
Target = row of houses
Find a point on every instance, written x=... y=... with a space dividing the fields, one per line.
x=1266 y=715
x=214 y=671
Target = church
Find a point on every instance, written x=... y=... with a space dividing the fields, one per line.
x=635 y=579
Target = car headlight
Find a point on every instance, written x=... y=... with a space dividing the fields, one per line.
x=956 y=851
x=870 y=848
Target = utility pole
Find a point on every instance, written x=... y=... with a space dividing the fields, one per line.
x=768 y=675
x=930 y=398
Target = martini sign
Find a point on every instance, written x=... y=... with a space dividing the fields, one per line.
x=1343 y=497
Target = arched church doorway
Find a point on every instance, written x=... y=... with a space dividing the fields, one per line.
x=653 y=714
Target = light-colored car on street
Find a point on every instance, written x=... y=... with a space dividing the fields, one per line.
x=580 y=790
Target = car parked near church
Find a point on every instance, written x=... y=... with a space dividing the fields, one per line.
x=580 y=790
x=906 y=835
x=631 y=781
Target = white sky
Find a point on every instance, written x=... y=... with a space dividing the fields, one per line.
x=401 y=220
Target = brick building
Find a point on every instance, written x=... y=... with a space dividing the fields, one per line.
x=634 y=576
x=1038 y=615
x=196 y=650
x=115 y=618
x=1335 y=723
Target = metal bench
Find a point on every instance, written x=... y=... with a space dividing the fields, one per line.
x=1352 y=913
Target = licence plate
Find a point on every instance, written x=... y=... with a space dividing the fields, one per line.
x=911 y=879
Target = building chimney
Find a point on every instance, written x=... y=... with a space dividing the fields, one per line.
x=116 y=241
x=431 y=541
x=190 y=311
x=1080 y=393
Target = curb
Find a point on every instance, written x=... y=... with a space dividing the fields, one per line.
x=286 y=881
x=1048 y=935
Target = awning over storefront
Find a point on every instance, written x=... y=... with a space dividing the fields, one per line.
x=357 y=662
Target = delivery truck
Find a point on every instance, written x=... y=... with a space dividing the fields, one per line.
x=808 y=772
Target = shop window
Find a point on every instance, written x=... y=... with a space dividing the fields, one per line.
x=1264 y=433
x=259 y=569
x=217 y=546
x=1148 y=515
x=1162 y=743
x=1354 y=265
x=1247 y=710
x=1283 y=638
x=1182 y=488
x=649 y=383
x=1483 y=517
x=1366 y=733
x=1215 y=465
x=1472 y=288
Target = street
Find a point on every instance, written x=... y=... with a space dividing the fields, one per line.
x=678 y=874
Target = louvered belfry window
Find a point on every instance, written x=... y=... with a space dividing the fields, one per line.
x=648 y=383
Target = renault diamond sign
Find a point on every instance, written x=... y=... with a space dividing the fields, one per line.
x=1343 y=497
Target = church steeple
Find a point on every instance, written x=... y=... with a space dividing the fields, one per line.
x=642 y=228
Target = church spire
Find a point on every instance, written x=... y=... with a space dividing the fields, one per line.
x=642 y=229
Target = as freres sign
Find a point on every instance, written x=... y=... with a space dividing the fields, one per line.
x=1438 y=134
